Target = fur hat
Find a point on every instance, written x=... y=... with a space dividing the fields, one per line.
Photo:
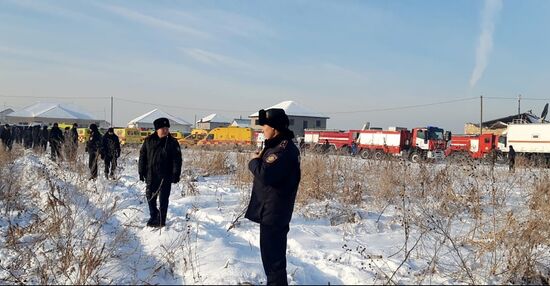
x=274 y=117
x=161 y=122
x=93 y=126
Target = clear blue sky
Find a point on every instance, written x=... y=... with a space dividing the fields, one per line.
x=235 y=57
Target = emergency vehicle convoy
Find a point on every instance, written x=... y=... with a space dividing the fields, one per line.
x=417 y=144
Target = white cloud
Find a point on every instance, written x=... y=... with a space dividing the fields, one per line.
x=485 y=44
x=43 y=7
x=214 y=59
x=153 y=21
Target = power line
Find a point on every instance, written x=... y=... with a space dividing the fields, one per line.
x=181 y=107
x=404 y=107
x=53 y=97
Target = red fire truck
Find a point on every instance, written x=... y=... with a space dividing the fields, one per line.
x=474 y=146
x=329 y=140
x=416 y=144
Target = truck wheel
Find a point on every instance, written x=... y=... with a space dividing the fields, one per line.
x=415 y=157
x=365 y=154
x=378 y=155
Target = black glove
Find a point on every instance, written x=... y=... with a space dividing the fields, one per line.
x=176 y=180
x=142 y=178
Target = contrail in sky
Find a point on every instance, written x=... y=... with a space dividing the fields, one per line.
x=485 y=44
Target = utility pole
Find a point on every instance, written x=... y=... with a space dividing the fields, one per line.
x=481 y=115
x=111 y=111
x=519 y=105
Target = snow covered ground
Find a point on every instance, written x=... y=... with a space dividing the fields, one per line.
x=196 y=247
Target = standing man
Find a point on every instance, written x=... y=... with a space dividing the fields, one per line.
x=6 y=137
x=111 y=152
x=44 y=137
x=93 y=147
x=73 y=142
x=277 y=175
x=56 y=139
x=159 y=166
x=511 y=159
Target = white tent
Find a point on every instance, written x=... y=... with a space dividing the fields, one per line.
x=49 y=113
x=146 y=121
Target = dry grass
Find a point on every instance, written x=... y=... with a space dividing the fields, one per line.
x=464 y=219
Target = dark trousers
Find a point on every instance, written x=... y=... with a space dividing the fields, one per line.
x=158 y=188
x=273 y=249
x=92 y=164
x=110 y=163
x=511 y=163
x=55 y=150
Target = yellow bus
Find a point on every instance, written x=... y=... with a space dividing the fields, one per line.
x=143 y=134
x=128 y=135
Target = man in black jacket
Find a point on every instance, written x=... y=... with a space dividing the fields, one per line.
x=277 y=175
x=44 y=137
x=73 y=143
x=159 y=166
x=6 y=137
x=94 y=149
x=111 y=152
x=56 y=139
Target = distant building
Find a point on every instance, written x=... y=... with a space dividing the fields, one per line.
x=3 y=114
x=241 y=122
x=499 y=125
x=49 y=113
x=212 y=121
x=146 y=120
x=300 y=118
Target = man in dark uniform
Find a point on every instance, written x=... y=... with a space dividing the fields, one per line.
x=73 y=142
x=276 y=171
x=159 y=166
x=511 y=159
x=111 y=152
x=56 y=140
x=44 y=137
x=93 y=147
x=6 y=137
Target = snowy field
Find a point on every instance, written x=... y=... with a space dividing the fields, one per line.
x=425 y=224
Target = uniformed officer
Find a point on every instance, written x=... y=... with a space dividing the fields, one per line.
x=159 y=166
x=276 y=171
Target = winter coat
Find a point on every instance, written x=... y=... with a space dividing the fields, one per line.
x=160 y=158
x=111 y=146
x=6 y=135
x=276 y=178
x=73 y=136
x=94 y=144
x=44 y=135
x=56 y=136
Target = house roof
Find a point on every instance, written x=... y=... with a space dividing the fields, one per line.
x=213 y=118
x=6 y=111
x=241 y=122
x=154 y=114
x=502 y=122
x=52 y=110
x=292 y=108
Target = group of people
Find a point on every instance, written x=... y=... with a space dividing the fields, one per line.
x=276 y=172
x=106 y=147
x=37 y=138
